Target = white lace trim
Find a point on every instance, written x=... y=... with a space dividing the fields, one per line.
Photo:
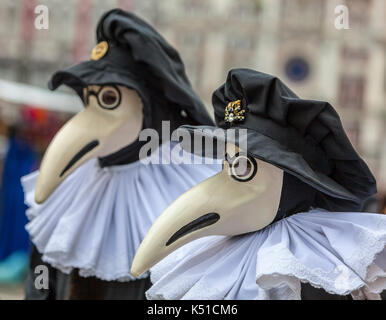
x=188 y=289
x=342 y=253
x=89 y=271
x=287 y=270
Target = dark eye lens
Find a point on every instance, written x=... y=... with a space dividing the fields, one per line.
x=109 y=97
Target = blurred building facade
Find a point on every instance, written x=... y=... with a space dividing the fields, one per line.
x=294 y=39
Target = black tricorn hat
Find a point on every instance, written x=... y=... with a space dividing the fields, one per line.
x=131 y=53
x=305 y=138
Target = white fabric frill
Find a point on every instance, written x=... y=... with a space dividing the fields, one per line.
x=341 y=252
x=96 y=219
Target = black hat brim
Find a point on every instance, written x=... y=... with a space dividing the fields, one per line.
x=93 y=72
x=266 y=149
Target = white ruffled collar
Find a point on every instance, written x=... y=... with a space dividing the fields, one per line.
x=340 y=252
x=96 y=219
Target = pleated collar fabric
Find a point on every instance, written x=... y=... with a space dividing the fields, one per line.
x=97 y=218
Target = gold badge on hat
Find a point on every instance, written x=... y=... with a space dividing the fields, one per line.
x=234 y=112
x=100 y=50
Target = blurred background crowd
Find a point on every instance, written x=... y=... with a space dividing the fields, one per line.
x=296 y=40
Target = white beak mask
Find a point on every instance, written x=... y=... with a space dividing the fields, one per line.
x=243 y=197
x=111 y=120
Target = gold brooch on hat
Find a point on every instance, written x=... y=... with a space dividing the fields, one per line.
x=234 y=112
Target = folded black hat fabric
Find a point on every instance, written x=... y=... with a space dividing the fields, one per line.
x=139 y=58
x=303 y=137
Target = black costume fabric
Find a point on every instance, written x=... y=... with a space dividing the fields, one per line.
x=73 y=287
x=296 y=196
x=305 y=138
x=139 y=58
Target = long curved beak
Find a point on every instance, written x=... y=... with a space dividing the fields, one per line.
x=80 y=139
x=218 y=206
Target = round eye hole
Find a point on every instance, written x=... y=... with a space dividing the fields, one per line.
x=243 y=168
x=109 y=98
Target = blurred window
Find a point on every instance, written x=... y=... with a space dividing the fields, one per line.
x=359 y=12
x=351 y=91
x=302 y=14
x=192 y=40
x=239 y=51
x=197 y=7
x=353 y=134
x=246 y=8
